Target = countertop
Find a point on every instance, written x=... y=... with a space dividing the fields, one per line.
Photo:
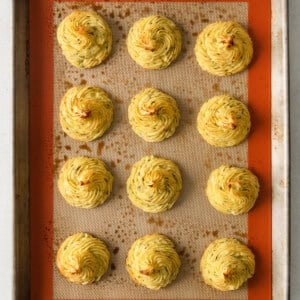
x=6 y=153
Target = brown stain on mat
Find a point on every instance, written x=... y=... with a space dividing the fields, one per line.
x=228 y=156
x=216 y=87
x=68 y=84
x=96 y=7
x=207 y=164
x=157 y=221
x=241 y=234
x=123 y=15
x=100 y=148
x=215 y=233
x=85 y=147
x=57 y=150
x=56 y=165
x=119 y=101
x=68 y=147
x=116 y=250
x=57 y=142
x=112 y=164
x=182 y=252
x=73 y=6
x=146 y=10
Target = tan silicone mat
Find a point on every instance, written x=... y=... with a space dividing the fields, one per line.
x=192 y=223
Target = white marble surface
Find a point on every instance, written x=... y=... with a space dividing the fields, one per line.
x=6 y=153
x=294 y=43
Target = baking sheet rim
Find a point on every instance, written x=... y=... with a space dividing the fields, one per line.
x=280 y=149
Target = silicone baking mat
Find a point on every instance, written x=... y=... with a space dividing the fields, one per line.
x=192 y=223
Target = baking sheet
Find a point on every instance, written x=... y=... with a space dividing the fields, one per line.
x=192 y=223
x=43 y=149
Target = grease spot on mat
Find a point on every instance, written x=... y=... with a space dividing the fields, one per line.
x=100 y=148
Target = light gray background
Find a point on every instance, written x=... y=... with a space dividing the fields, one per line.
x=294 y=56
x=6 y=100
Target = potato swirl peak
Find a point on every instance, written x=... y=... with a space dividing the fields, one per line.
x=224 y=48
x=154 y=42
x=85 y=113
x=227 y=264
x=85 y=39
x=85 y=182
x=223 y=121
x=154 y=184
x=153 y=115
x=152 y=261
x=232 y=190
x=82 y=258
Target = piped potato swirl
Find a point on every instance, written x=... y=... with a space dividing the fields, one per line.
x=224 y=48
x=227 y=264
x=85 y=113
x=82 y=258
x=232 y=190
x=154 y=184
x=152 y=261
x=153 y=115
x=224 y=121
x=154 y=42
x=85 y=39
x=85 y=182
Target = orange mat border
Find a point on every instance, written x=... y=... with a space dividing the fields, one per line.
x=41 y=145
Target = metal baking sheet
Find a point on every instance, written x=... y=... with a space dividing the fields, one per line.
x=42 y=236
